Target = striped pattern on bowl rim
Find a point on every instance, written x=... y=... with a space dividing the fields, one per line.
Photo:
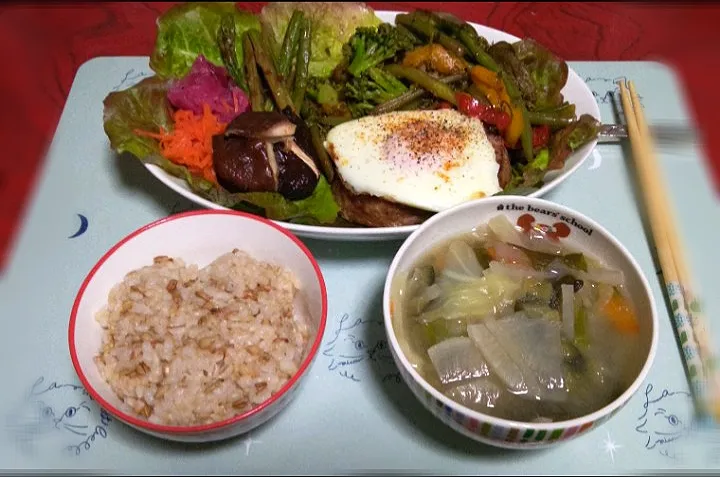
x=496 y=433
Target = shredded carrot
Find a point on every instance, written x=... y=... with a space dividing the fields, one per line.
x=190 y=142
x=621 y=315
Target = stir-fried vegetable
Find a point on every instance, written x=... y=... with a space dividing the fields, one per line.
x=322 y=64
x=370 y=47
x=493 y=87
x=424 y=80
x=372 y=88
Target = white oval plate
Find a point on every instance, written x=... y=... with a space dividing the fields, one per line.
x=575 y=91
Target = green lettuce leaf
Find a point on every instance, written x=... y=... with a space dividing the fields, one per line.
x=319 y=208
x=191 y=29
x=333 y=23
x=145 y=107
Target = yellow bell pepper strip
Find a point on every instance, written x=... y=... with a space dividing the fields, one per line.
x=494 y=88
x=436 y=57
x=492 y=95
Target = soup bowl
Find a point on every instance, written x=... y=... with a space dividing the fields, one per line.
x=570 y=227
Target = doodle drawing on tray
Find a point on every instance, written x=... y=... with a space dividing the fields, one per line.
x=131 y=78
x=606 y=90
x=59 y=417
x=665 y=419
x=354 y=344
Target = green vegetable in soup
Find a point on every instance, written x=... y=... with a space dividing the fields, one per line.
x=483 y=257
x=573 y=357
x=541 y=261
x=440 y=330
x=541 y=289
x=542 y=312
x=581 y=338
x=486 y=296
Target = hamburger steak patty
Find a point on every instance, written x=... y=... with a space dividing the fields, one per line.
x=372 y=211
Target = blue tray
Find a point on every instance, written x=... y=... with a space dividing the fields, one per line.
x=349 y=418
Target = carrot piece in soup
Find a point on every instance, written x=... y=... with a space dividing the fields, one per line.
x=621 y=314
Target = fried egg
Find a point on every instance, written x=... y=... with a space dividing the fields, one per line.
x=431 y=160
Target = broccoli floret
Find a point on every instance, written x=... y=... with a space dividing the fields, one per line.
x=372 y=88
x=327 y=96
x=370 y=46
x=322 y=90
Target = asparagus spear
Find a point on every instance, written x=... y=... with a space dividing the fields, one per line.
x=277 y=87
x=289 y=46
x=517 y=99
x=468 y=37
x=417 y=25
x=408 y=33
x=460 y=32
x=268 y=105
x=257 y=100
x=302 y=63
x=526 y=135
x=553 y=120
x=228 y=50
x=399 y=101
x=410 y=96
x=268 y=39
x=452 y=45
x=425 y=24
x=425 y=81
x=322 y=155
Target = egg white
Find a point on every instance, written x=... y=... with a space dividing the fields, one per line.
x=431 y=160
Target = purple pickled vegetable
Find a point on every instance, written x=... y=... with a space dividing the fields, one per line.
x=208 y=84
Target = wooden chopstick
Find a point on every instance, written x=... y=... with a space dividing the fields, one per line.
x=690 y=324
x=697 y=318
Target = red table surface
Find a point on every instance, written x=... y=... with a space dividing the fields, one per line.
x=42 y=46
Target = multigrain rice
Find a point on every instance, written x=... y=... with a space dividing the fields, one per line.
x=183 y=346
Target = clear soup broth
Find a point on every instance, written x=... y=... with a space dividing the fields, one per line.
x=518 y=325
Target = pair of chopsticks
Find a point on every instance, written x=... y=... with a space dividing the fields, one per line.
x=697 y=352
